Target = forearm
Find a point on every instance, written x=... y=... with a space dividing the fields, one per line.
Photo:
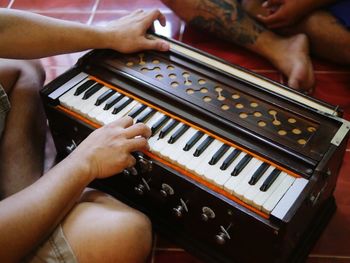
x=28 y=35
x=30 y=215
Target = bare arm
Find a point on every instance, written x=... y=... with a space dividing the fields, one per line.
x=30 y=215
x=28 y=35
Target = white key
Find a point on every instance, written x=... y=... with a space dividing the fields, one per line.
x=254 y=190
x=162 y=142
x=93 y=113
x=199 y=161
x=122 y=113
x=188 y=155
x=200 y=170
x=261 y=197
x=234 y=182
x=69 y=95
x=225 y=175
x=86 y=105
x=276 y=196
x=171 y=151
x=214 y=171
x=243 y=186
x=289 y=198
x=74 y=100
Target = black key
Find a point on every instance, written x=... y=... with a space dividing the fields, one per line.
x=146 y=114
x=230 y=159
x=204 y=145
x=258 y=173
x=159 y=124
x=194 y=139
x=219 y=153
x=240 y=166
x=113 y=100
x=121 y=105
x=84 y=87
x=137 y=110
x=92 y=90
x=270 y=179
x=179 y=132
x=104 y=96
x=171 y=125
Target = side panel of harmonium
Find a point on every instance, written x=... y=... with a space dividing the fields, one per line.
x=239 y=166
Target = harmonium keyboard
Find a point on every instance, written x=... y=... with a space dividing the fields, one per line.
x=240 y=168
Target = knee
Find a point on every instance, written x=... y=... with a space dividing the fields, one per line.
x=33 y=74
x=99 y=228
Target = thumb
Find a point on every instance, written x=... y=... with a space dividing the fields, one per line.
x=156 y=44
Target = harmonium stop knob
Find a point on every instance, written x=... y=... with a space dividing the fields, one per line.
x=222 y=237
x=180 y=210
x=142 y=187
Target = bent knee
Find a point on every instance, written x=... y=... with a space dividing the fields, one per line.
x=102 y=229
x=27 y=73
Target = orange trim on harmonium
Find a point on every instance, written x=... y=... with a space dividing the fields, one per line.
x=176 y=168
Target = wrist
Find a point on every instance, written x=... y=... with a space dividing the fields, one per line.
x=79 y=168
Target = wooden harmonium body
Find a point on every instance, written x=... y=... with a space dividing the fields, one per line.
x=241 y=169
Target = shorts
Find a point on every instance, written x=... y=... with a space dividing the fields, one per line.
x=55 y=250
x=4 y=108
x=341 y=11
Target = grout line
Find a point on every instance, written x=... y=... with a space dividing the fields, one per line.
x=93 y=12
x=10 y=4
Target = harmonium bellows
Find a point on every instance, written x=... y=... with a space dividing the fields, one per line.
x=240 y=168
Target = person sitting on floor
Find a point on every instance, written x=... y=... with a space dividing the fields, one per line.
x=54 y=217
x=300 y=21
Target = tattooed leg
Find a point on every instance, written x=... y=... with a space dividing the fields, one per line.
x=227 y=20
x=331 y=43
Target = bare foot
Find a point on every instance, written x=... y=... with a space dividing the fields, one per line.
x=292 y=58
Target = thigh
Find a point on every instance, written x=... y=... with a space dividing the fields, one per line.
x=101 y=227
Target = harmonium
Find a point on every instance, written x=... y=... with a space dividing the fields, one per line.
x=240 y=168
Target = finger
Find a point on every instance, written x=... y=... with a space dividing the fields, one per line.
x=138 y=144
x=153 y=15
x=131 y=161
x=162 y=19
x=138 y=129
x=124 y=122
x=155 y=44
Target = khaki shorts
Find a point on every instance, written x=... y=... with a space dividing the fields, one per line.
x=4 y=108
x=55 y=250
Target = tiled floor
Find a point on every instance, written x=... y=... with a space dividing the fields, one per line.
x=333 y=85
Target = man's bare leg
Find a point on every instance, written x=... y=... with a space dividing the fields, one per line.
x=227 y=20
x=22 y=143
x=331 y=43
x=100 y=228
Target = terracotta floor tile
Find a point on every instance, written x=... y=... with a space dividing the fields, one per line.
x=43 y=5
x=334 y=88
x=131 y=5
x=4 y=3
